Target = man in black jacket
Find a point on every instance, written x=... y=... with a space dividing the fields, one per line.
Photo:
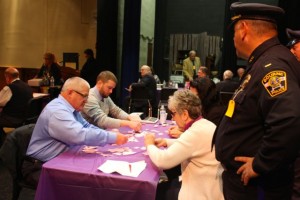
x=14 y=99
x=147 y=83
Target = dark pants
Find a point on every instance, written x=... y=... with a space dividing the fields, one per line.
x=31 y=171
x=277 y=187
x=296 y=186
x=168 y=190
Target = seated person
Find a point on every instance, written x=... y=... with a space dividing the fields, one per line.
x=14 y=99
x=211 y=108
x=228 y=84
x=50 y=68
x=201 y=172
x=99 y=106
x=147 y=82
x=203 y=72
x=157 y=80
x=90 y=70
x=61 y=126
x=240 y=72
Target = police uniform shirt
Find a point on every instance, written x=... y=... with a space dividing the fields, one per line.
x=265 y=122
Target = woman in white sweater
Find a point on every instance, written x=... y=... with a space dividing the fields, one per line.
x=201 y=172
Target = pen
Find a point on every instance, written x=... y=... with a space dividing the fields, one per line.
x=130 y=168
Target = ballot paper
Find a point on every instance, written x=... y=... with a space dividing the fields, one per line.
x=124 y=168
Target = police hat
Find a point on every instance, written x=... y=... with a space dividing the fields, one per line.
x=294 y=37
x=255 y=11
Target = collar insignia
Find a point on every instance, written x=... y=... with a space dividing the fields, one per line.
x=236 y=17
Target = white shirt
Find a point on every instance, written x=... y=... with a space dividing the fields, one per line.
x=6 y=94
x=201 y=172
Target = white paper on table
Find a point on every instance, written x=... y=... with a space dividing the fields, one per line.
x=124 y=168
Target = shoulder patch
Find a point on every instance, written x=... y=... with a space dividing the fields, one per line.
x=275 y=82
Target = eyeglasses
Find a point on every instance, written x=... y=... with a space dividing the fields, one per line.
x=173 y=113
x=85 y=96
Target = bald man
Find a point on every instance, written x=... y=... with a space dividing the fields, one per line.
x=147 y=82
x=13 y=100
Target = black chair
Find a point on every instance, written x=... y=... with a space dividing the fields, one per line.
x=12 y=155
x=71 y=58
x=225 y=97
x=164 y=96
x=54 y=92
x=34 y=109
x=140 y=102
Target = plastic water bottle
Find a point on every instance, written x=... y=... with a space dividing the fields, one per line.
x=51 y=81
x=162 y=115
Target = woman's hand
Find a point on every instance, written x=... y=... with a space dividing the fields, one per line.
x=174 y=132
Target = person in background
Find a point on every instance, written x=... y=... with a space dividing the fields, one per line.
x=294 y=43
x=227 y=85
x=89 y=71
x=240 y=72
x=201 y=172
x=203 y=72
x=14 y=99
x=99 y=106
x=211 y=108
x=61 y=126
x=147 y=82
x=257 y=140
x=191 y=66
x=294 y=46
x=157 y=80
x=49 y=69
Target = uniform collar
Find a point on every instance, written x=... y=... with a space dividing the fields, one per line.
x=262 y=48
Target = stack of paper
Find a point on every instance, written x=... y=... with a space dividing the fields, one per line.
x=124 y=168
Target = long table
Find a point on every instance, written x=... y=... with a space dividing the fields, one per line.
x=74 y=174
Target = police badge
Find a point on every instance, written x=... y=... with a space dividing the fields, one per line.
x=275 y=82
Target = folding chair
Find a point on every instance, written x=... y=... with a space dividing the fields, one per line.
x=34 y=108
x=12 y=155
x=164 y=96
x=140 y=101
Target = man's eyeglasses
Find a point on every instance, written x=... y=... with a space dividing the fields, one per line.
x=85 y=96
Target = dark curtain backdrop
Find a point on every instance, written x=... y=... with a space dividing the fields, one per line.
x=229 y=58
x=106 y=45
x=291 y=18
x=160 y=64
x=131 y=44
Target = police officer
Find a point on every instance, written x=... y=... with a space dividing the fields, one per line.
x=294 y=46
x=258 y=137
x=294 y=43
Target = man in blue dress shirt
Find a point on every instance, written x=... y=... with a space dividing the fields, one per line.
x=61 y=126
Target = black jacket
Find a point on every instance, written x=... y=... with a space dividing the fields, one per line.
x=266 y=117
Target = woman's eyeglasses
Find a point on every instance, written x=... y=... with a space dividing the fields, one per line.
x=173 y=113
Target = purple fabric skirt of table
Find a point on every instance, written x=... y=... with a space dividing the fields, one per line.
x=74 y=174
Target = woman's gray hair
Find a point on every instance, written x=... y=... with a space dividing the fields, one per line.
x=185 y=100
x=75 y=83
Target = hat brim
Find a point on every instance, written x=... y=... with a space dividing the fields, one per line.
x=292 y=43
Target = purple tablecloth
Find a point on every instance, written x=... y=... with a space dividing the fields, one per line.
x=74 y=174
